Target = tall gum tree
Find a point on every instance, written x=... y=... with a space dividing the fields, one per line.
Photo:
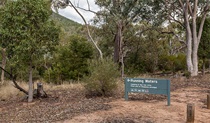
x=27 y=34
x=186 y=12
x=118 y=16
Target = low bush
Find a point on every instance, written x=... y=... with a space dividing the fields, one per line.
x=102 y=80
x=173 y=63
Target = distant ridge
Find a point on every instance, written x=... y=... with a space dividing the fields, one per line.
x=59 y=17
x=67 y=25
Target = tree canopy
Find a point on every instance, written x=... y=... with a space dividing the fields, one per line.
x=27 y=33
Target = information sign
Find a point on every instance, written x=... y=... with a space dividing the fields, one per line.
x=148 y=86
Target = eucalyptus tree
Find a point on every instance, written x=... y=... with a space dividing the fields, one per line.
x=118 y=16
x=186 y=12
x=27 y=33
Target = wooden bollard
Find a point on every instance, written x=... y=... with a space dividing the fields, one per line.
x=190 y=113
x=208 y=101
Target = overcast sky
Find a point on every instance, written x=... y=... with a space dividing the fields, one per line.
x=70 y=13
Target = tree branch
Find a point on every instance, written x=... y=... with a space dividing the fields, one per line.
x=181 y=3
x=190 y=10
x=180 y=48
x=177 y=21
x=88 y=5
x=88 y=10
x=195 y=8
x=205 y=12
x=201 y=27
x=100 y=52
x=178 y=37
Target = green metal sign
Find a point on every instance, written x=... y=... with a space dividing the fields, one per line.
x=148 y=86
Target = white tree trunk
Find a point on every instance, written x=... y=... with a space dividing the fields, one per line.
x=195 y=60
x=192 y=35
x=195 y=41
x=189 y=51
x=188 y=39
x=195 y=49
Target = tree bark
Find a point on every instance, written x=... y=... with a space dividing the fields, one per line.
x=118 y=47
x=195 y=41
x=3 y=65
x=195 y=59
x=188 y=39
x=117 y=42
x=30 y=83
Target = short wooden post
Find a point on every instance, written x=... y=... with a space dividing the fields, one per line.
x=208 y=101
x=190 y=113
x=39 y=89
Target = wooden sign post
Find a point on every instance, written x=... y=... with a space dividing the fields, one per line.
x=208 y=101
x=190 y=113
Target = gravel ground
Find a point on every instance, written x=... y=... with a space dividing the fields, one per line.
x=61 y=105
x=65 y=104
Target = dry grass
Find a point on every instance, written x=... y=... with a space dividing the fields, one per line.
x=119 y=92
x=66 y=86
x=8 y=91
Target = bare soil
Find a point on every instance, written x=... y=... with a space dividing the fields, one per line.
x=72 y=106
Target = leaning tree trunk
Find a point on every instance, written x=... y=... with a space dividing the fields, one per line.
x=3 y=65
x=30 y=90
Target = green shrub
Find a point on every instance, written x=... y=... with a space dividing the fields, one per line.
x=180 y=62
x=172 y=63
x=71 y=61
x=102 y=78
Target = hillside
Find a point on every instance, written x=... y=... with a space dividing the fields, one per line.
x=67 y=26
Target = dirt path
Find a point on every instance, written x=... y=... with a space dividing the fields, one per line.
x=152 y=111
